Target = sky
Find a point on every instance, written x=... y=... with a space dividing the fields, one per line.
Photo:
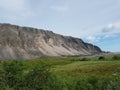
x=95 y=21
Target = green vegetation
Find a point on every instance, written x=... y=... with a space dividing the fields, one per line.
x=61 y=73
x=116 y=57
x=101 y=58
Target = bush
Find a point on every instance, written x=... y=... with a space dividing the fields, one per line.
x=37 y=78
x=98 y=83
x=56 y=82
x=2 y=80
x=84 y=59
x=12 y=74
x=101 y=58
x=83 y=84
x=116 y=57
x=81 y=59
x=14 y=77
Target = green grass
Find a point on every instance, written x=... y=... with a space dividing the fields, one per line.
x=75 y=65
x=89 y=68
x=72 y=72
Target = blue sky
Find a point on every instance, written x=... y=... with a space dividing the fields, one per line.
x=95 y=21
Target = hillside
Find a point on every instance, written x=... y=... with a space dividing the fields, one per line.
x=18 y=42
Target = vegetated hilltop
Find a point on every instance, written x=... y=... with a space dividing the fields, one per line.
x=26 y=43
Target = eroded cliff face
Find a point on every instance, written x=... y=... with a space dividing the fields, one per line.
x=26 y=43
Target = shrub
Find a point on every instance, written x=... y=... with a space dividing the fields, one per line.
x=84 y=59
x=14 y=77
x=2 y=80
x=101 y=58
x=83 y=84
x=56 y=82
x=80 y=59
x=94 y=82
x=38 y=77
x=115 y=57
x=12 y=74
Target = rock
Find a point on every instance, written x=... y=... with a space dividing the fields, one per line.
x=27 y=43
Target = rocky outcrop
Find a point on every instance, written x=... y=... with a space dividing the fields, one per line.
x=26 y=43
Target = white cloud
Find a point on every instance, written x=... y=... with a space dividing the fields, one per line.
x=109 y=31
x=92 y=39
x=114 y=25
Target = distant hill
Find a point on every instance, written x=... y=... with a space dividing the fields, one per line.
x=26 y=43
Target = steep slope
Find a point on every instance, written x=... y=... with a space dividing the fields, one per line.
x=25 y=43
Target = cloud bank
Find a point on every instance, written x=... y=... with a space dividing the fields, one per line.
x=111 y=30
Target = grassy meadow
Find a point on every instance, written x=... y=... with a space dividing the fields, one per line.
x=100 y=72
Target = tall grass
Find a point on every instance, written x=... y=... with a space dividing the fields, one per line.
x=61 y=73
